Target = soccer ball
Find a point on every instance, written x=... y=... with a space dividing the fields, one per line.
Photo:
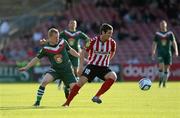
x=145 y=84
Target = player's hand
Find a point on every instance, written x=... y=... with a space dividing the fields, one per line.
x=86 y=60
x=79 y=72
x=43 y=41
x=82 y=55
x=176 y=54
x=23 y=69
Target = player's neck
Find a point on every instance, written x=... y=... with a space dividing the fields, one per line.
x=163 y=30
x=53 y=43
x=72 y=29
x=103 y=39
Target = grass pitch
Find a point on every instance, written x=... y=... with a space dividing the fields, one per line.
x=123 y=100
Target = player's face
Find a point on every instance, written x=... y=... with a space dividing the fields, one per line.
x=107 y=35
x=72 y=24
x=54 y=38
x=163 y=25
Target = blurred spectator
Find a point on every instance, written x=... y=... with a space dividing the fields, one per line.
x=131 y=16
x=95 y=27
x=21 y=54
x=37 y=35
x=69 y=4
x=147 y=16
x=102 y=3
x=122 y=33
x=122 y=14
x=30 y=52
x=2 y=56
x=4 y=27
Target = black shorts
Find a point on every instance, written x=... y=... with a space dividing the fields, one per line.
x=92 y=71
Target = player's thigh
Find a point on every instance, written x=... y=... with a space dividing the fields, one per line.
x=47 y=79
x=105 y=73
x=68 y=79
x=161 y=62
x=90 y=72
x=82 y=80
x=75 y=62
x=75 y=70
x=168 y=60
x=111 y=75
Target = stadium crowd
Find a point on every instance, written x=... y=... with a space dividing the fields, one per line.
x=130 y=12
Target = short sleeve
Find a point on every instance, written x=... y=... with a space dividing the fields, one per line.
x=113 y=43
x=83 y=36
x=172 y=37
x=61 y=34
x=90 y=44
x=67 y=46
x=41 y=54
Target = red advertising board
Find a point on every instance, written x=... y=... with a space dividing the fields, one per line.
x=135 y=72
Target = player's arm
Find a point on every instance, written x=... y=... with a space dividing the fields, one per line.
x=85 y=38
x=154 y=46
x=113 y=51
x=112 y=55
x=80 y=67
x=174 y=43
x=30 y=64
x=73 y=52
x=36 y=59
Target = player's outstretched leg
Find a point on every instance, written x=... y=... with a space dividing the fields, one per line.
x=47 y=79
x=40 y=93
x=72 y=94
x=106 y=86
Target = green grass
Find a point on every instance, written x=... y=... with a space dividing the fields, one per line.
x=123 y=100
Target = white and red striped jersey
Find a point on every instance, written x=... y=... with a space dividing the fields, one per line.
x=100 y=52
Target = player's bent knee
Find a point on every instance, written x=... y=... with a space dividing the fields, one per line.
x=111 y=75
x=44 y=82
x=82 y=80
x=72 y=85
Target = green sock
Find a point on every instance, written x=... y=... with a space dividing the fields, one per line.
x=66 y=91
x=165 y=78
x=161 y=76
x=40 y=93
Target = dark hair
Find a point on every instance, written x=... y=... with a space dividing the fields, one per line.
x=105 y=27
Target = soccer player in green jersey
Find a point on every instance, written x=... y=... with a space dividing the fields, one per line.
x=73 y=37
x=56 y=50
x=163 y=41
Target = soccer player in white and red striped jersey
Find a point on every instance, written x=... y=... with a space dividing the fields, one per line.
x=101 y=50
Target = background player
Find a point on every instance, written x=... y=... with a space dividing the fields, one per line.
x=57 y=52
x=101 y=50
x=162 y=43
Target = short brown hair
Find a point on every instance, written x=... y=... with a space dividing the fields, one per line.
x=52 y=31
x=105 y=27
